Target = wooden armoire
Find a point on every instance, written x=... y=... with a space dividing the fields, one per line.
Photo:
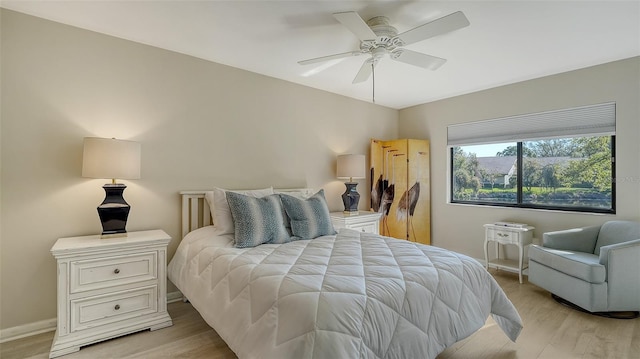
x=400 y=188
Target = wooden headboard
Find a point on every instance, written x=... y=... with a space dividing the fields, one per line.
x=196 y=212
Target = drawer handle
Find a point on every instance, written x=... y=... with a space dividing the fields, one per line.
x=117 y=307
x=116 y=271
x=503 y=235
x=363 y=229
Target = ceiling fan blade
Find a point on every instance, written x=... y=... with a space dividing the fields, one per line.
x=445 y=24
x=330 y=57
x=418 y=59
x=365 y=71
x=355 y=24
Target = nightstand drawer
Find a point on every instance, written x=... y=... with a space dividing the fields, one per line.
x=502 y=236
x=112 y=271
x=365 y=227
x=100 y=310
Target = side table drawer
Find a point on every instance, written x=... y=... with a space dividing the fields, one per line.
x=502 y=236
x=112 y=271
x=99 y=310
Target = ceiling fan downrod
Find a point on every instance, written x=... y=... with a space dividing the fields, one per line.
x=373 y=80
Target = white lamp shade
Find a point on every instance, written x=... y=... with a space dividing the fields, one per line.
x=110 y=158
x=351 y=166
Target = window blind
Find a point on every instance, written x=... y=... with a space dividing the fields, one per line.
x=592 y=120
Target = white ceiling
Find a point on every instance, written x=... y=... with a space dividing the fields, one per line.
x=507 y=41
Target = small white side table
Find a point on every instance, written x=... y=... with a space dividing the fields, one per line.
x=364 y=221
x=501 y=235
x=109 y=287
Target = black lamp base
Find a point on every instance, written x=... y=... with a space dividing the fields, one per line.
x=114 y=211
x=350 y=198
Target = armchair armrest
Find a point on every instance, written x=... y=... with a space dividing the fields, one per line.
x=577 y=239
x=622 y=263
x=615 y=252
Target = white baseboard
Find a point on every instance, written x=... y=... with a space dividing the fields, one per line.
x=48 y=325
x=27 y=330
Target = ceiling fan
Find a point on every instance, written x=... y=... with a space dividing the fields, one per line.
x=378 y=38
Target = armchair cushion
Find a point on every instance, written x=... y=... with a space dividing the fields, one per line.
x=585 y=266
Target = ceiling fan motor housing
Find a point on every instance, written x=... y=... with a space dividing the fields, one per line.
x=386 y=37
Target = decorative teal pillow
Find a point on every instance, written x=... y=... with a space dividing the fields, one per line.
x=309 y=217
x=257 y=220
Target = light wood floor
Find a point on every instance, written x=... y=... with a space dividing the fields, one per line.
x=550 y=331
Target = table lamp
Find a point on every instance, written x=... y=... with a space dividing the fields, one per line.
x=113 y=159
x=351 y=166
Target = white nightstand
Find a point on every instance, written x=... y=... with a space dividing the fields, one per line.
x=364 y=221
x=521 y=237
x=109 y=287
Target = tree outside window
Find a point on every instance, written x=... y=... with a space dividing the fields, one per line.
x=567 y=174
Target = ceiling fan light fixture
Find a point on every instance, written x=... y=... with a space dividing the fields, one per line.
x=379 y=53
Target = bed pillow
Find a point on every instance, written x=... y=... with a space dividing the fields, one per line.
x=208 y=196
x=257 y=220
x=302 y=193
x=222 y=214
x=309 y=217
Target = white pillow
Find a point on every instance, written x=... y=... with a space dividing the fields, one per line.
x=301 y=193
x=208 y=195
x=222 y=218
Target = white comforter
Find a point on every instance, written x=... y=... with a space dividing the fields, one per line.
x=353 y=295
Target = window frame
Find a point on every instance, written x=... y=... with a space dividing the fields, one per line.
x=519 y=187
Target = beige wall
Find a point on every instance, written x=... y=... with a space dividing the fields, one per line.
x=201 y=125
x=459 y=227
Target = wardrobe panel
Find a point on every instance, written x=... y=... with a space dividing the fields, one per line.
x=400 y=188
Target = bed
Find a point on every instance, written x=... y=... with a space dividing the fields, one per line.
x=344 y=295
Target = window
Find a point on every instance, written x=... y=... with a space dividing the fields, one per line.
x=530 y=168
x=568 y=174
x=481 y=176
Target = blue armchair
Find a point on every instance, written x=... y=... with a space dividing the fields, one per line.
x=596 y=268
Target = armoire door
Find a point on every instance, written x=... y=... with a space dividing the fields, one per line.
x=400 y=188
